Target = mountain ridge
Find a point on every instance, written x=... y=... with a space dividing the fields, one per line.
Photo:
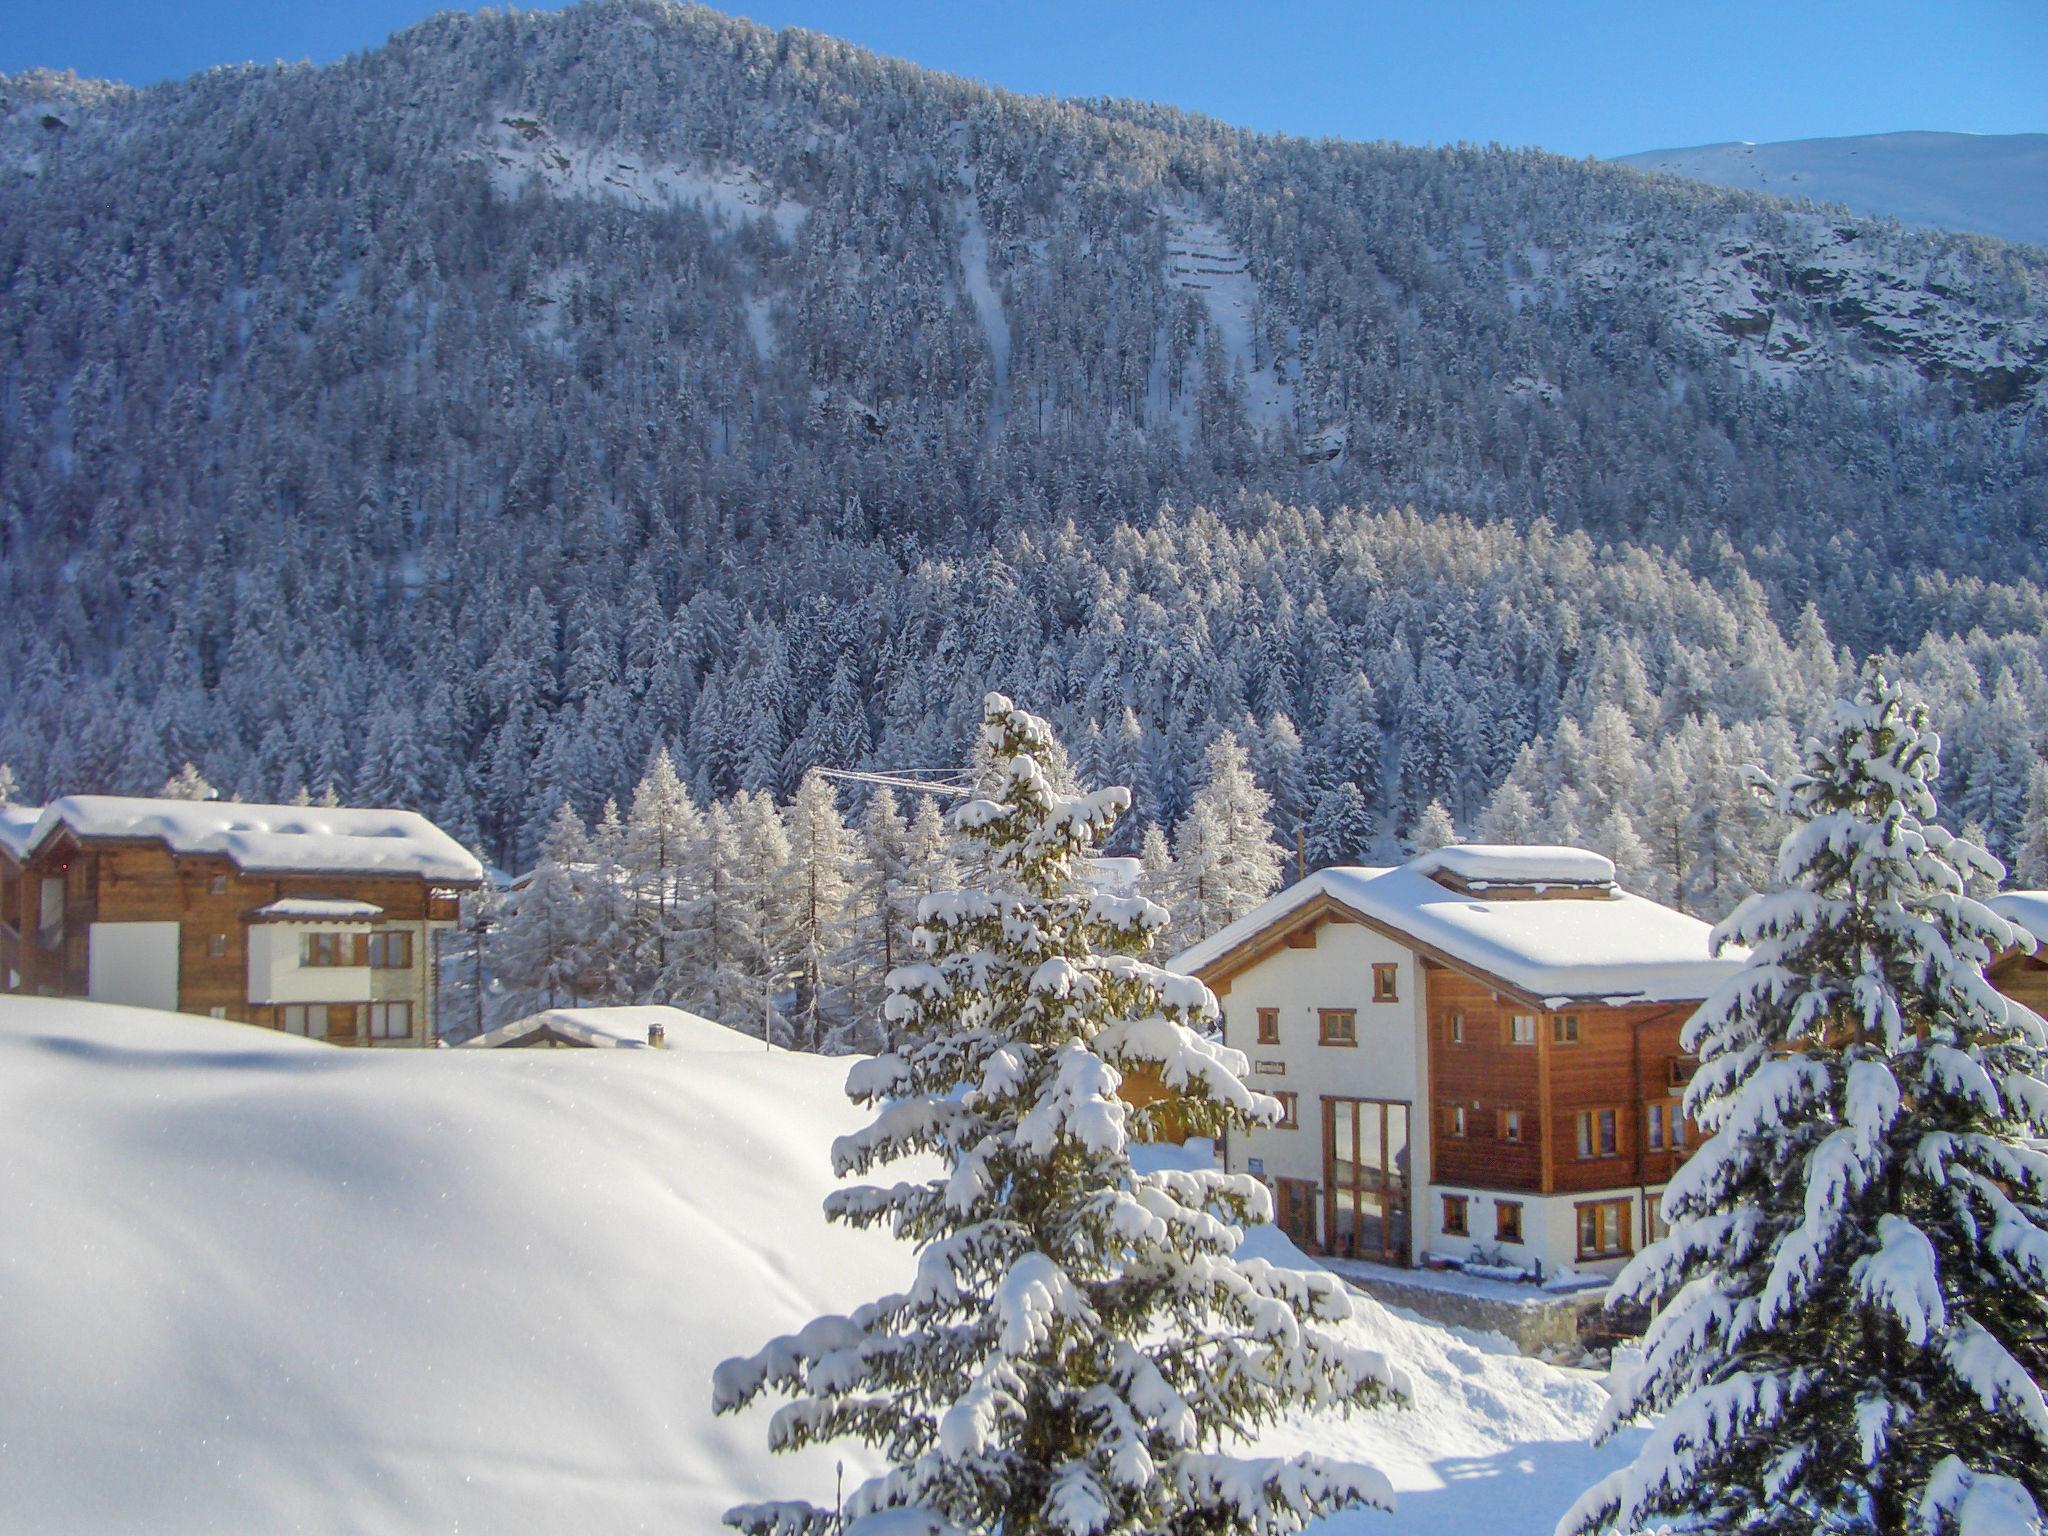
x=457 y=421
x=1989 y=184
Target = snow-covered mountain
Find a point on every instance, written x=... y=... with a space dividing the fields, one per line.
x=254 y=1283
x=1988 y=184
x=456 y=423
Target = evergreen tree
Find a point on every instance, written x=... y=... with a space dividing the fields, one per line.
x=1855 y=1284
x=9 y=788
x=540 y=950
x=1433 y=829
x=2030 y=868
x=882 y=908
x=1078 y=1332
x=663 y=829
x=1341 y=829
x=765 y=908
x=1225 y=862
x=817 y=888
x=187 y=784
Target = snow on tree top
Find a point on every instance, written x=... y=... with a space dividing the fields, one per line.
x=1615 y=947
x=622 y=1028
x=309 y=839
x=2028 y=909
x=1539 y=865
x=17 y=825
x=321 y=909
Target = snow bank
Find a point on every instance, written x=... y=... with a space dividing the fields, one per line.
x=1619 y=947
x=623 y=1027
x=252 y=1282
x=272 y=839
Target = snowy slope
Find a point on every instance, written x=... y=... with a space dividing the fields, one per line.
x=251 y=1282
x=1992 y=184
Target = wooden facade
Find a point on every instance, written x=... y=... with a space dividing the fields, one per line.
x=1523 y=1097
x=56 y=897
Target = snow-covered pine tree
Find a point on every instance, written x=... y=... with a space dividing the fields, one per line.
x=1433 y=829
x=766 y=909
x=1340 y=829
x=663 y=827
x=880 y=911
x=1156 y=877
x=187 y=784
x=2030 y=868
x=1248 y=861
x=606 y=930
x=539 y=950
x=9 y=786
x=816 y=886
x=1080 y=1345
x=1854 y=1289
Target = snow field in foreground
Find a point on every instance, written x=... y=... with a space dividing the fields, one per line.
x=254 y=1282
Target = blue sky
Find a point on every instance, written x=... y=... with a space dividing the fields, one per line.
x=1577 y=76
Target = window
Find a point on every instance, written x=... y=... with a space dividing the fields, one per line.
x=323 y=949
x=1339 y=1026
x=1682 y=1069
x=1290 y=1112
x=50 y=914
x=1384 y=983
x=218 y=885
x=308 y=1019
x=1454 y=1120
x=1597 y=1133
x=1457 y=1216
x=217 y=946
x=1522 y=1029
x=393 y=1021
x=1654 y=1229
x=1454 y=1027
x=1511 y=1125
x=1507 y=1221
x=218 y=1013
x=1664 y=1125
x=391 y=951
x=1564 y=1029
x=1603 y=1229
x=1269 y=1026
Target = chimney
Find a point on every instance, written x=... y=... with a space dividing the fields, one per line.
x=657 y=1036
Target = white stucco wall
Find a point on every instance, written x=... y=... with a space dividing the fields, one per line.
x=133 y=963
x=1550 y=1232
x=276 y=976
x=1387 y=1062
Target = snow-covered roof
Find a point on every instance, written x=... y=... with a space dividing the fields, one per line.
x=281 y=839
x=621 y=1028
x=17 y=823
x=320 y=909
x=1615 y=947
x=2027 y=908
x=1542 y=865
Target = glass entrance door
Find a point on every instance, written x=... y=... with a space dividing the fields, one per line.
x=1365 y=1179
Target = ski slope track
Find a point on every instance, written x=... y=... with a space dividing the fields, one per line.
x=255 y=1283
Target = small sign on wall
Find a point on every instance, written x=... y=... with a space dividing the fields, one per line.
x=1255 y=1166
x=1270 y=1068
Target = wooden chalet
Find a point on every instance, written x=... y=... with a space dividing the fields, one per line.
x=1477 y=1053
x=2021 y=976
x=321 y=921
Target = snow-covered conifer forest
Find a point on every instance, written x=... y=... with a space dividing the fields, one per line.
x=456 y=425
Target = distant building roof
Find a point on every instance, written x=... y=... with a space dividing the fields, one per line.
x=1597 y=944
x=271 y=839
x=17 y=823
x=2029 y=909
x=619 y=1028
